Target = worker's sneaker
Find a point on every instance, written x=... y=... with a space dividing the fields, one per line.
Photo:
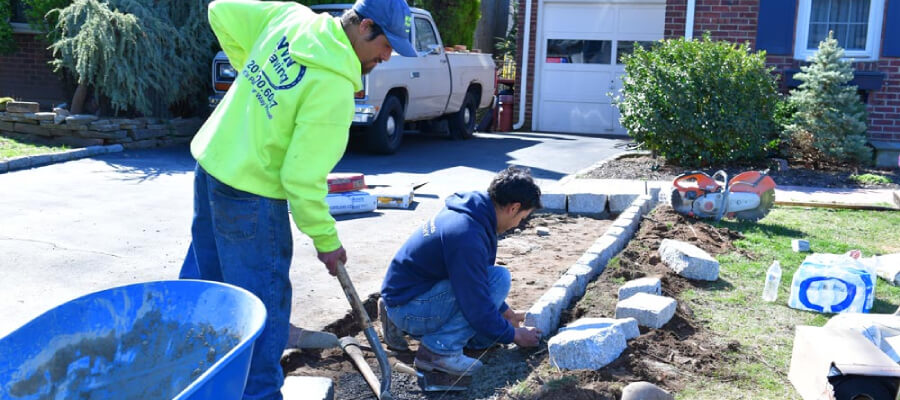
x=459 y=365
x=393 y=336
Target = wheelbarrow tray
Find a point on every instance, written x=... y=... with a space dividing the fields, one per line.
x=182 y=339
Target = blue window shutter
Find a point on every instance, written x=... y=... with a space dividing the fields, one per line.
x=892 y=29
x=775 y=27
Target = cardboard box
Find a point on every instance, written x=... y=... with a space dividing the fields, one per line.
x=345 y=182
x=393 y=196
x=350 y=203
x=841 y=364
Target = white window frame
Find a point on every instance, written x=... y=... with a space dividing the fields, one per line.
x=873 y=37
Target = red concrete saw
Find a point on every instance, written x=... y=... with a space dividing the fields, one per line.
x=748 y=196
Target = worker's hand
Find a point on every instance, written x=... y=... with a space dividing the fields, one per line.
x=516 y=318
x=332 y=258
x=527 y=336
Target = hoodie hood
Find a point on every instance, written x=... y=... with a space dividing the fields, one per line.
x=320 y=42
x=478 y=206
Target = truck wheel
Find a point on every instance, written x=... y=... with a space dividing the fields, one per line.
x=386 y=133
x=462 y=123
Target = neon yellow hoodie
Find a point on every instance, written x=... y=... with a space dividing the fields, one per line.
x=284 y=124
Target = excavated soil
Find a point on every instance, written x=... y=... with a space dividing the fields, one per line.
x=681 y=351
x=649 y=168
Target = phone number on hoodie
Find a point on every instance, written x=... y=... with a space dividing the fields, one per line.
x=265 y=94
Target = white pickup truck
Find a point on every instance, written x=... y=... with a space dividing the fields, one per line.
x=435 y=86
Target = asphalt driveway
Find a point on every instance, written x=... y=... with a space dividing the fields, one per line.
x=81 y=226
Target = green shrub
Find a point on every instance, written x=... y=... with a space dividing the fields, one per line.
x=870 y=179
x=830 y=123
x=36 y=14
x=699 y=102
x=7 y=45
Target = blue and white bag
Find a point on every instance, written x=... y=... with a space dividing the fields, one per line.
x=832 y=283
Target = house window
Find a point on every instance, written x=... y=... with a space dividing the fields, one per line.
x=577 y=51
x=18 y=11
x=856 y=25
x=625 y=47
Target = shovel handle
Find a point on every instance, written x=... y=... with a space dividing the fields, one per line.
x=355 y=303
x=383 y=390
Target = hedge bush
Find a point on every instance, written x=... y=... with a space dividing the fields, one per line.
x=700 y=102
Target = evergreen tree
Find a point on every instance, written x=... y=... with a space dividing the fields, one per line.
x=139 y=55
x=830 y=123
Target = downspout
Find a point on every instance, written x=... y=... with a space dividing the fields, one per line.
x=689 y=20
x=523 y=89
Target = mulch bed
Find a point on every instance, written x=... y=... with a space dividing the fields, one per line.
x=649 y=168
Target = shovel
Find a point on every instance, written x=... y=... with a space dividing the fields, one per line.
x=382 y=389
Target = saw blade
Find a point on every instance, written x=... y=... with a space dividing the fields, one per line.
x=766 y=202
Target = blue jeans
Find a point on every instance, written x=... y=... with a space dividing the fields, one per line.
x=245 y=240
x=435 y=316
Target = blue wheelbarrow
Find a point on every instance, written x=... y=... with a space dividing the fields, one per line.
x=180 y=339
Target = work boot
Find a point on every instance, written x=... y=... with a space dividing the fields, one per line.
x=393 y=336
x=459 y=365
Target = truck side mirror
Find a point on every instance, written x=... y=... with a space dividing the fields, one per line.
x=434 y=49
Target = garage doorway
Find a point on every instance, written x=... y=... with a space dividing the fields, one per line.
x=579 y=52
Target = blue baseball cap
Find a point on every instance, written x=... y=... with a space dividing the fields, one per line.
x=394 y=18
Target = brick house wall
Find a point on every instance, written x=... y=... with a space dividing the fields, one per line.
x=737 y=21
x=25 y=75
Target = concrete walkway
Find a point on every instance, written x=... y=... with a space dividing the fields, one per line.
x=887 y=198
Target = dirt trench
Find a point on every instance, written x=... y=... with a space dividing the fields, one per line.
x=678 y=352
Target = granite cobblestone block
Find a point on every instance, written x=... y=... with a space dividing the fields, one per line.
x=649 y=310
x=649 y=285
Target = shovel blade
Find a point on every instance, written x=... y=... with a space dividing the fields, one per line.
x=442 y=382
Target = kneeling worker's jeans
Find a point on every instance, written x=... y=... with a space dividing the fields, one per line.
x=436 y=318
x=245 y=240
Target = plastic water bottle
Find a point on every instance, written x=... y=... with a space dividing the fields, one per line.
x=773 y=280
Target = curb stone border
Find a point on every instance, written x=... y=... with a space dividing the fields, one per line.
x=40 y=160
x=557 y=198
x=544 y=314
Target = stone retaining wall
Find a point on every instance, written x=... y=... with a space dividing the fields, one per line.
x=57 y=128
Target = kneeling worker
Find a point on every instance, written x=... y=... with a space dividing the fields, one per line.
x=443 y=286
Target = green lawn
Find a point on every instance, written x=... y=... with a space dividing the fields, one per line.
x=766 y=330
x=10 y=148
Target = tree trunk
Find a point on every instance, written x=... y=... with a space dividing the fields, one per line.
x=78 y=98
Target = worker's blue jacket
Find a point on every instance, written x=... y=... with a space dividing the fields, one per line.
x=459 y=244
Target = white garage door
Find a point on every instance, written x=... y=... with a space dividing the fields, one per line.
x=579 y=53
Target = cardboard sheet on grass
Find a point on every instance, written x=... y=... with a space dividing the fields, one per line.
x=852 y=368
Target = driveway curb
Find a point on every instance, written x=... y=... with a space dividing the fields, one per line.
x=40 y=160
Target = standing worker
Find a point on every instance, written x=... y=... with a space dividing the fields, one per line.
x=271 y=143
x=443 y=286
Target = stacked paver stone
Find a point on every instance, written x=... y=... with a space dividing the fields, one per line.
x=22 y=121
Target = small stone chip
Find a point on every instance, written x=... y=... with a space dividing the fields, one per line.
x=542 y=231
